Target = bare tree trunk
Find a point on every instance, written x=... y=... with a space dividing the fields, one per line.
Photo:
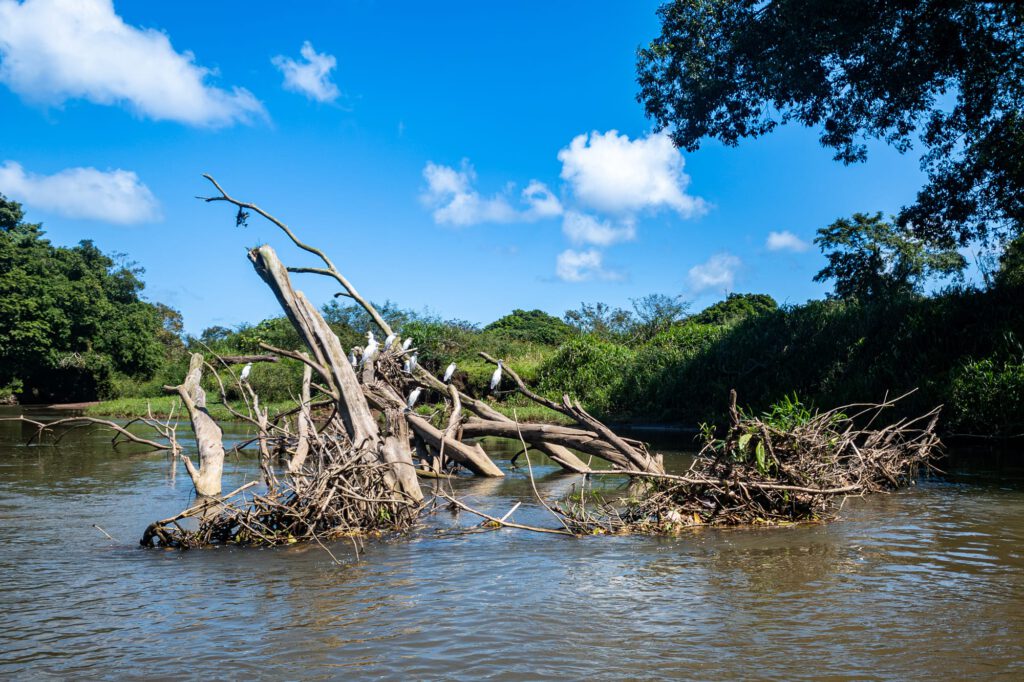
x=304 y=426
x=472 y=457
x=552 y=434
x=209 y=437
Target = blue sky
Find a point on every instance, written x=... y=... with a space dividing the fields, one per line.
x=402 y=141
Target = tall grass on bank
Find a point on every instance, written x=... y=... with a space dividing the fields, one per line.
x=162 y=406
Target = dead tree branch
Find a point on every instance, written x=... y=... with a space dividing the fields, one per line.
x=84 y=421
x=331 y=270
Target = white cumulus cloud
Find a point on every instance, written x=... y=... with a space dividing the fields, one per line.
x=541 y=201
x=609 y=182
x=785 y=241
x=455 y=201
x=581 y=228
x=311 y=77
x=52 y=51
x=718 y=272
x=609 y=172
x=580 y=266
x=116 y=196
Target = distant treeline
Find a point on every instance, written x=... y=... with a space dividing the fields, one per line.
x=961 y=348
x=72 y=326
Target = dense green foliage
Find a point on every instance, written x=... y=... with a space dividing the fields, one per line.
x=951 y=73
x=72 y=322
x=735 y=308
x=988 y=397
x=958 y=348
x=871 y=259
x=532 y=325
x=1011 y=265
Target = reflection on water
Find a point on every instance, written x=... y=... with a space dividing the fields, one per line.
x=925 y=583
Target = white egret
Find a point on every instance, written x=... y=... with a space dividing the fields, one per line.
x=352 y=357
x=407 y=366
x=245 y=372
x=390 y=340
x=370 y=350
x=412 y=363
x=448 y=373
x=413 y=397
x=407 y=344
x=496 y=377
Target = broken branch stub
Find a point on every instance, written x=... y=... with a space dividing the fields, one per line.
x=330 y=270
x=209 y=437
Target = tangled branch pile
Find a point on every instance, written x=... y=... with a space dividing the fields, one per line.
x=339 y=496
x=790 y=465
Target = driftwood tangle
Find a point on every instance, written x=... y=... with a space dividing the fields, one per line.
x=761 y=473
x=356 y=471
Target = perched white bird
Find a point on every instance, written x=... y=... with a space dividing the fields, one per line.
x=390 y=340
x=413 y=397
x=370 y=350
x=245 y=372
x=407 y=366
x=352 y=357
x=412 y=364
x=407 y=344
x=448 y=373
x=496 y=377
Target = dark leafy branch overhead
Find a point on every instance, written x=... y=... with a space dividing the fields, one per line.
x=946 y=72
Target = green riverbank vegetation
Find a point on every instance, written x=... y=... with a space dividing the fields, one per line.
x=74 y=326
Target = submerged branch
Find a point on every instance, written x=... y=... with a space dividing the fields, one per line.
x=83 y=421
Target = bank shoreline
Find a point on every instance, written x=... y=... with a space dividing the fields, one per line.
x=136 y=408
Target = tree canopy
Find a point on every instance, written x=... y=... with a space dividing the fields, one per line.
x=950 y=72
x=870 y=258
x=650 y=315
x=71 y=318
x=734 y=308
x=531 y=325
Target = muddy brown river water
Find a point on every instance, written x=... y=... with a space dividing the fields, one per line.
x=927 y=583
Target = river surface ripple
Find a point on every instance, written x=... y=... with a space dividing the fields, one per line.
x=927 y=583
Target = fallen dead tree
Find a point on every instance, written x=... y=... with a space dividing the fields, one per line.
x=767 y=472
x=356 y=471
x=352 y=467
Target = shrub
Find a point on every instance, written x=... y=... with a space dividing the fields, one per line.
x=988 y=397
x=590 y=370
x=531 y=325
